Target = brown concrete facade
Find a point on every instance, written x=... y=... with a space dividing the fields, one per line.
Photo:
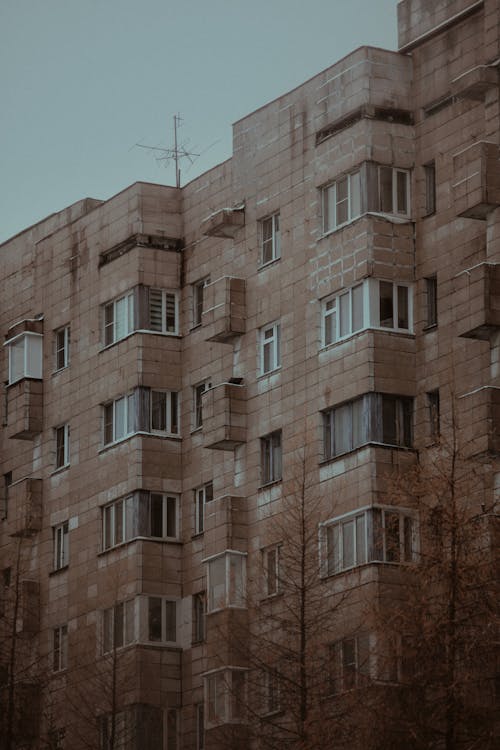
x=204 y=347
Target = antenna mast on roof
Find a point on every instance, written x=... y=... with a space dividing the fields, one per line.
x=174 y=154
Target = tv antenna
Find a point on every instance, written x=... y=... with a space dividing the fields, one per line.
x=175 y=154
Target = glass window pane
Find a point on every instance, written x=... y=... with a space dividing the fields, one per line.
x=108 y=423
x=156 y=514
x=171 y=517
x=333 y=548
x=16 y=359
x=392 y=553
x=408 y=539
x=357 y=308
x=386 y=310
x=358 y=423
x=389 y=424
x=348 y=544
x=402 y=197
x=170 y=313
x=170 y=621
x=403 y=320
x=158 y=411
x=378 y=538
x=154 y=618
x=121 y=318
x=235 y=580
x=174 y=413
x=118 y=626
x=120 y=418
x=342 y=200
x=345 y=322
x=217 y=579
x=342 y=429
x=119 y=530
x=360 y=540
x=385 y=187
x=156 y=309
x=355 y=187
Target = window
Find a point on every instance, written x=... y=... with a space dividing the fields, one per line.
x=119 y=419
x=62 y=446
x=198 y=391
x=394 y=190
x=118 y=318
x=202 y=495
x=25 y=357
x=434 y=415
x=270 y=451
x=271 y=560
x=225 y=696
x=431 y=293
x=371 y=304
x=173 y=728
x=148 y=514
x=165 y=412
x=199 y=617
x=162 y=620
x=200 y=726
x=60 y=648
x=62 y=340
x=376 y=534
x=341 y=202
x=271 y=703
x=270 y=346
x=270 y=239
x=4 y=509
x=226 y=580
x=373 y=418
x=349 y=663
x=198 y=295
x=61 y=545
x=118 y=626
x=430 y=188
x=163 y=311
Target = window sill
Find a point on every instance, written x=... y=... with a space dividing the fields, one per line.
x=370 y=443
x=431 y=327
x=269 y=373
x=140 y=330
x=267 y=485
x=195 y=327
x=269 y=263
x=59 y=371
x=60 y=469
x=198 y=535
x=55 y=571
x=197 y=429
x=139 y=433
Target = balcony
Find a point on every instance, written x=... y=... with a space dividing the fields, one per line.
x=223 y=315
x=476 y=187
x=475 y=83
x=224 y=416
x=24 y=409
x=28 y=617
x=477 y=298
x=25 y=507
x=225 y=525
x=479 y=417
x=224 y=223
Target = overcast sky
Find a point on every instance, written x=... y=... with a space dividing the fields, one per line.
x=82 y=81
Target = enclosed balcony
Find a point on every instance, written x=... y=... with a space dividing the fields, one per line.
x=24 y=409
x=475 y=83
x=225 y=524
x=224 y=416
x=477 y=297
x=224 y=223
x=479 y=420
x=224 y=314
x=25 y=507
x=476 y=184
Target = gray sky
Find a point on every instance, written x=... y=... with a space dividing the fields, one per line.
x=82 y=81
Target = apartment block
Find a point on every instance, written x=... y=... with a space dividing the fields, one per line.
x=220 y=401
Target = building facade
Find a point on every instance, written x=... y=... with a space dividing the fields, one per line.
x=192 y=372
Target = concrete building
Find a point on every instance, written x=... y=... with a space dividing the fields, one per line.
x=324 y=305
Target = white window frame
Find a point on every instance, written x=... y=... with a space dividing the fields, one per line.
x=355 y=674
x=270 y=239
x=119 y=324
x=198 y=391
x=228 y=594
x=270 y=347
x=164 y=300
x=169 y=608
x=119 y=518
x=170 y=415
x=395 y=172
x=32 y=356
x=61 y=439
x=202 y=495
x=271 y=449
x=222 y=695
x=198 y=295
x=271 y=569
x=127 y=611
x=60 y=535
x=62 y=340
x=330 y=201
x=334 y=327
x=128 y=404
x=60 y=648
x=366 y=548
